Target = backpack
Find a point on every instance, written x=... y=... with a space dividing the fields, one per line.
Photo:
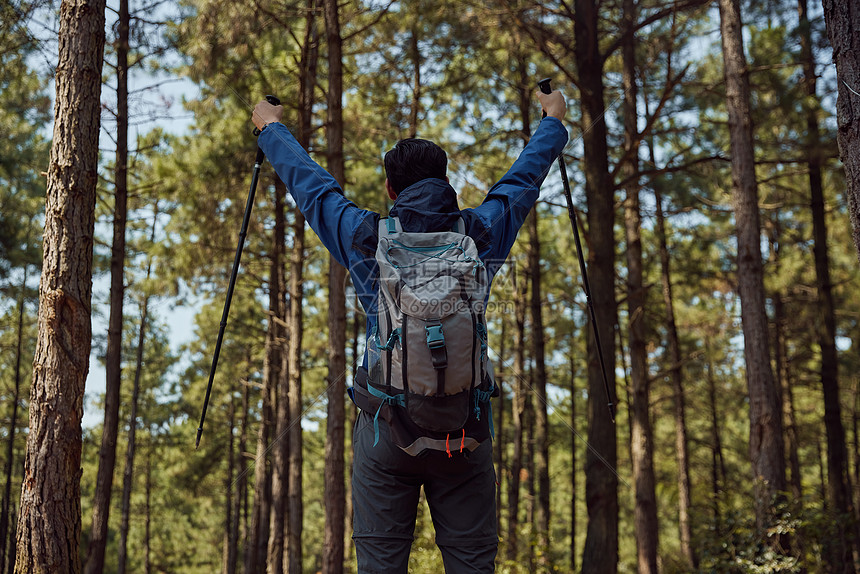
x=428 y=353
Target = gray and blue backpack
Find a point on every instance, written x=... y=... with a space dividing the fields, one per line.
x=427 y=357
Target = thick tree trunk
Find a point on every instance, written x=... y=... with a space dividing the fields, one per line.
x=837 y=452
x=642 y=440
x=274 y=371
x=5 y=539
x=113 y=360
x=49 y=523
x=600 y=553
x=767 y=453
x=843 y=28
x=333 y=548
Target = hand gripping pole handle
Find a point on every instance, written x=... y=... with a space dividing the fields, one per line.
x=546 y=88
x=272 y=100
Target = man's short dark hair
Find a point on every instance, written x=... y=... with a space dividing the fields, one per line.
x=413 y=159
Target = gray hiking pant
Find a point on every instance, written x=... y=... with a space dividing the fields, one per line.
x=386 y=484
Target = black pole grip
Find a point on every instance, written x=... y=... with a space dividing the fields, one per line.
x=544 y=85
x=272 y=100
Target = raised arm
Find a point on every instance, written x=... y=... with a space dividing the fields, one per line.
x=508 y=202
x=318 y=195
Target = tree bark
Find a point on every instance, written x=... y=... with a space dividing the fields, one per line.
x=49 y=522
x=541 y=425
x=600 y=553
x=113 y=360
x=499 y=419
x=718 y=466
x=274 y=370
x=128 y=471
x=767 y=453
x=518 y=414
x=333 y=546
x=837 y=452
x=415 y=56
x=843 y=28
x=5 y=539
x=255 y=552
x=642 y=440
x=573 y=458
x=229 y=552
x=677 y=377
x=147 y=514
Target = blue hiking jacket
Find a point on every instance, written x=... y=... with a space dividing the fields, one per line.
x=351 y=233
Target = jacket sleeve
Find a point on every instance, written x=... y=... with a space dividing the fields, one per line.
x=317 y=194
x=509 y=201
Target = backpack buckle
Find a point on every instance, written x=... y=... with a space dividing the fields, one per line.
x=436 y=343
x=435 y=336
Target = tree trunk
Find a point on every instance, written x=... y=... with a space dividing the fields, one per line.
x=255 y=552
x=49 y=522
x=642 y=440
x=274 y=371
x=767 y=453
x=333 y=547
x=128 y=471
x=676 y=375
x=499 y=419
x=600 y=553
x=837 y=453
x=293 y=556
x=541 y=426
x=10 y=551
x=5 y=539
x=415 y=104
x=518 y=409
x=718 y=466
x=147 y=513
x=573 y=459
x=843 y=28
x=113 y=358
x=242 y=493
x=228 y=565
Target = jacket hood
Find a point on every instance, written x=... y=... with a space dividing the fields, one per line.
x=426 y=206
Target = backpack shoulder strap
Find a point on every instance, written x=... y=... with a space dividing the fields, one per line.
x=459 y=226
x=389 y=226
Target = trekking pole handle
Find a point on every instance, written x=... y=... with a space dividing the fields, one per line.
x=272 y=100
x=546 y=89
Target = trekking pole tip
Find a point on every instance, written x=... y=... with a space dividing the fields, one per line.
x=199 y=434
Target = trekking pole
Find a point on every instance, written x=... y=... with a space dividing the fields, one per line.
x=258 y=162
x=544 y=86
